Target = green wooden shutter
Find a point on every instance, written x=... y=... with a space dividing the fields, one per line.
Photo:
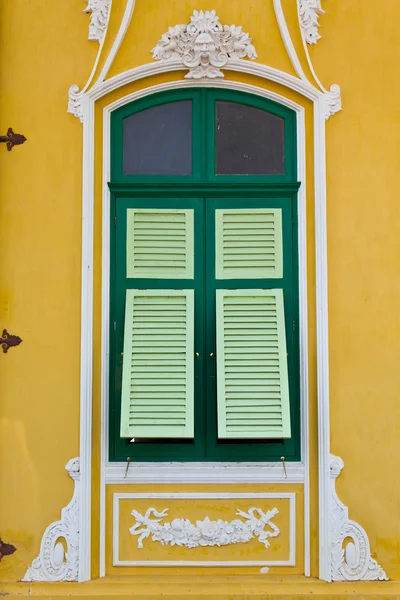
x=160 y=243
x=248 y=243
x=252 y=375
x=157 y=378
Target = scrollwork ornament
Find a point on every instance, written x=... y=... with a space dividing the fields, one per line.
x=182 y=532
x=75 y=102
x=353 y=561
x=204 y=45
x=53 y=563
x=309 y=11
x=333 y=101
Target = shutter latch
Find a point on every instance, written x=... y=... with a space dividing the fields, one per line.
x=128 y=462
x=284 y=466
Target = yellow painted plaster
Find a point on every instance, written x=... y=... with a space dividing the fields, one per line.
x=44 y=49
x=151 y=20
x=195 y=509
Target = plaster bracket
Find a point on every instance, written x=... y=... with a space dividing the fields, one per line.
x=53 y=563
x=351 y=561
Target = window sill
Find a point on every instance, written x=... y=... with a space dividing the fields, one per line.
x=201 y=472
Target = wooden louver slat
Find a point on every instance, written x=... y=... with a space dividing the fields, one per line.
x=160 y=243
x=248 y=243
x=157 y=378
x=252 y=374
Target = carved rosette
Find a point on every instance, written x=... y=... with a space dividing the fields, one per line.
x=351 y=561
x=309 y=11
x=99 y=14
x=53 y=563
x=182 y=532
x=204 y=46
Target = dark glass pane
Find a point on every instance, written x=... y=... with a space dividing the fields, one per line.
x=158 y=140
x=249 y=141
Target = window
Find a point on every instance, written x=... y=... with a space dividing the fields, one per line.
x=158 y=140
x=204 y=359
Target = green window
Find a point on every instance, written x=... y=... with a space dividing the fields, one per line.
x=204 y=351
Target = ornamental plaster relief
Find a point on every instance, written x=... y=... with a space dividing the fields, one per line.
x=309 y=12
x=53 y=563
x=99 y=14
x=352 y=562
x=204 y=45
x=182 y=532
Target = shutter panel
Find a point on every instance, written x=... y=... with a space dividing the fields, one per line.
x=248 y=243
x=160 y=243
x=252 y=375
x=157 y=377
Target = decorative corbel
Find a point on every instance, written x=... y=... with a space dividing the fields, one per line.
x=53 y=563
x=350 y=551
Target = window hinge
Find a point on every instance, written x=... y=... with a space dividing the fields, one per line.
x=294 y=325
x=115 y=325
x=115 y=221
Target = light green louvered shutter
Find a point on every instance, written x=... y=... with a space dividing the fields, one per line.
x=157 y=378
x=252 y=375
x=159 y=243
x=248 y=243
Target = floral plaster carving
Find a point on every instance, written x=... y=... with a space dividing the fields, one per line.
x=309 y=11
x=354 y=561
x=182 y=532
x=53 y=563
x=99 y=12
x=204 y=45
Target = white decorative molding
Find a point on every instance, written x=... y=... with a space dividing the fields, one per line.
x=75 y=101
x=53 y=563
x=309 y=11
x=287 y=40
x=204 y=45
x=333 y=101
x=207 y=525
x=182 y=532
x=99 y=11
x=354 y=561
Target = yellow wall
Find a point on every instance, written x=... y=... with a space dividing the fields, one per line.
x=44 y=49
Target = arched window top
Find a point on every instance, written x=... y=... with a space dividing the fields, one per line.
x=203 y=135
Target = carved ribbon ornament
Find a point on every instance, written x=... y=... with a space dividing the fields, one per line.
x=182 y=532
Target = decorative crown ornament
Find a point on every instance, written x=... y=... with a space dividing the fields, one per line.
x=204 y=45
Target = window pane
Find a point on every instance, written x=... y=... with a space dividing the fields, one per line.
x=249 y=141
x=158 y=141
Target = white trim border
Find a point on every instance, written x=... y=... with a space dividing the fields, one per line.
x=266 y=473
x=291 y=562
